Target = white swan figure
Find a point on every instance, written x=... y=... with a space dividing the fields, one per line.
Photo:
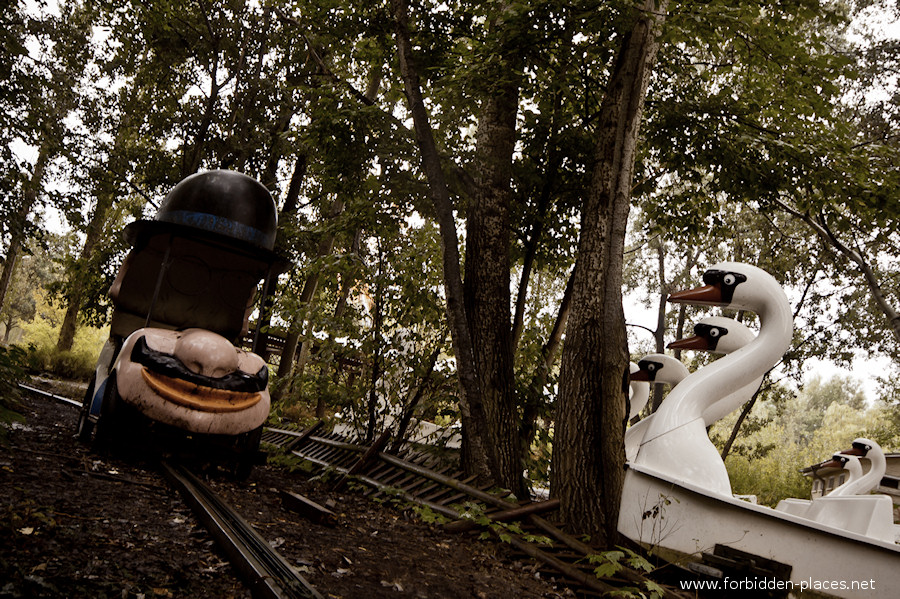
x=651 y=369
x=638 y=392
x=801 y=507
x=867 y=448
x=676 y=444
x=715 y=334
x=851 y=464
x=720 y=335
x=851 y=507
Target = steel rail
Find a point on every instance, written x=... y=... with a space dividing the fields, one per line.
x=48 y=395
x=265 y=571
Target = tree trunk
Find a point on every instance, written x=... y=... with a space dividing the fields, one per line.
x=410 y=408
x=587 y=472
x=310 y=285
x=532 y=243
x=533 y=402
x=659 y=336
x=105 y=192
x=377 y=322
x=476 y=453
x=487 y=282
x=9 y=264
x=286 y=363
x=29 y=199
x=77 y=276
x=726 y=449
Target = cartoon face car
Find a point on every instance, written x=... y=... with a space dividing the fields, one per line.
x=182 y=300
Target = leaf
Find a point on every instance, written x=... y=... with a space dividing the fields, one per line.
x=638 y=562
x=655 y=589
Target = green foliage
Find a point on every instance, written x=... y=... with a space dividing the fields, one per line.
x=12 y=372
x=287 y=460
x=802 y=431
x=40 y=337
x=429 y=516
x=609 y=563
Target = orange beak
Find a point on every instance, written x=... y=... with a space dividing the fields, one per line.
x=641 y=375
x=696 y=342
x=709 y=295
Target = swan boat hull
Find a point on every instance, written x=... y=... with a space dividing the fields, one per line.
x=680 y=521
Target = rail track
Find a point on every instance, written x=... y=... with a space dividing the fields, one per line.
x=411 y=477
x=422 y=479
x=266 y=573
x=46 y=394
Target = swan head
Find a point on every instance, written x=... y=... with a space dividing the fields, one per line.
x=716 y=334
x=660 y=368
x=645 y=370
x=733 y=285
x=862 y=446
x=838 y=460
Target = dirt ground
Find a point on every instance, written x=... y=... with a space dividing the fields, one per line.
x=76 y=524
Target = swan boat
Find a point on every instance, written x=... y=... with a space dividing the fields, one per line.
x=677 y=497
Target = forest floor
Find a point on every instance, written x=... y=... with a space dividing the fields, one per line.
x=76 y=524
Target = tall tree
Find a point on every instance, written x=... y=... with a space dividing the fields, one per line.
x=40 y=55
x=477 y=452
x=587 y=473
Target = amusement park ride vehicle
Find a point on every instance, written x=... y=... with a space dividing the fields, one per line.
x=171 y=373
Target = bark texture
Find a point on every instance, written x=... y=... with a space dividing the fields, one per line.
x=476 y=460
x=29 y=199
x=588 y=451
x=94 y=234
x=487 y=282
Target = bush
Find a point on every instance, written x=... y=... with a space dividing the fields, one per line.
x=12 y=372
x=72 y=365
x=65 y=364
x=42 y=356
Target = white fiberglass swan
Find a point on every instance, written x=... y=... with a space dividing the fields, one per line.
x=715 y=334
x=720 y=335
x=851 y=464
x=850 y=507
x=859 y=485
x=639 y=392
x=675 y=443
x=651 y=369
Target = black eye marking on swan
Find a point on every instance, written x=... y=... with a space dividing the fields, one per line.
x=711 y=333
x=725 y=280
x=650 y=367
